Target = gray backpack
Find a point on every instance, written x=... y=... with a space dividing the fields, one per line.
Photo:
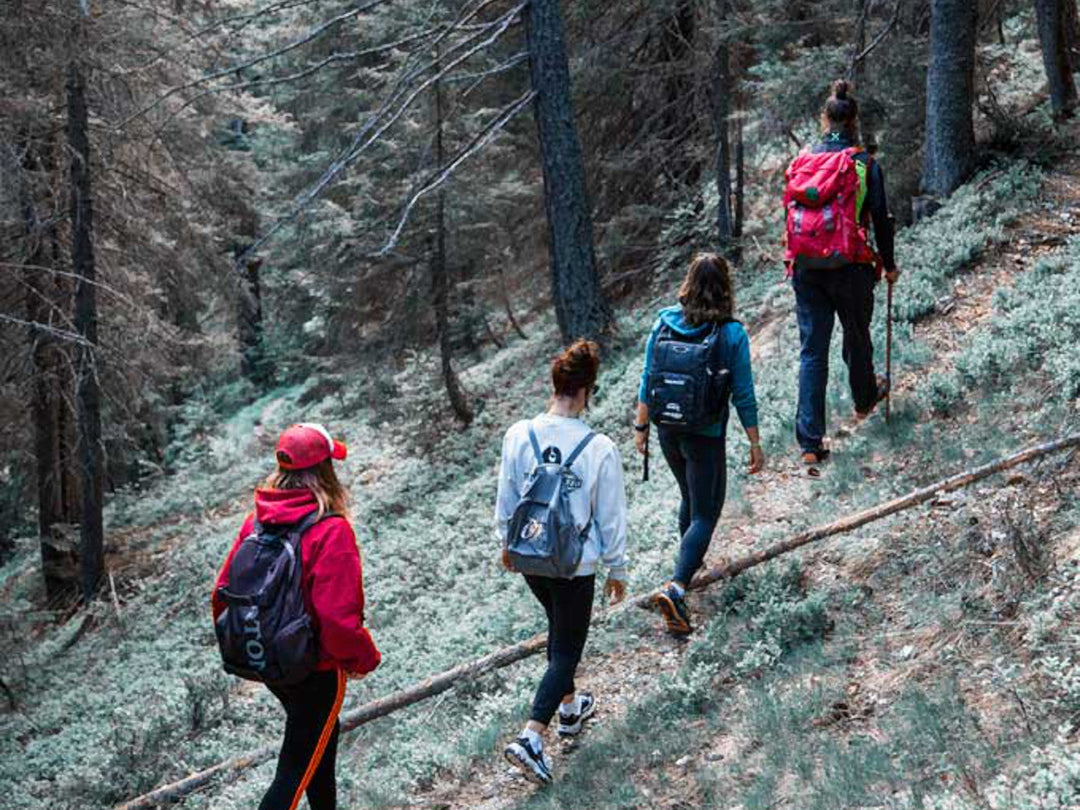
x=542 y=537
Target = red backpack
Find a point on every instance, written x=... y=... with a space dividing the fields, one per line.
x=823 y=201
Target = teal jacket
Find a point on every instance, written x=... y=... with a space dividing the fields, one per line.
x=735 y=354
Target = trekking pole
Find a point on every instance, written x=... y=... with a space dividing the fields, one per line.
x=888 y=352
x=645 y=461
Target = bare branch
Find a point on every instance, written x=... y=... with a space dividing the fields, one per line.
x=310 y=36
x=876 y=40
x=366 y=137
x=440 y=176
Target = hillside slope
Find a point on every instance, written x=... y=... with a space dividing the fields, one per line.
x=111 y=702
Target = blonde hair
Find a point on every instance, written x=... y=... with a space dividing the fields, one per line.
x=322 y=482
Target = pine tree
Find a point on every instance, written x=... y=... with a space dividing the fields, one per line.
x=581 y=307
x=1056 y=31
x=950 y=83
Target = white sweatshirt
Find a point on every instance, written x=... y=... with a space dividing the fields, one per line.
x=600 y=501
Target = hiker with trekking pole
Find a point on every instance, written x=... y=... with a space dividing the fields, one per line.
x=697 y=360
x=835 y=190
x=288 y=609
x=560 y=514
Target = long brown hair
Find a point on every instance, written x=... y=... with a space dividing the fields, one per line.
x=841 y=110
x=321 y=480
x=707 y=294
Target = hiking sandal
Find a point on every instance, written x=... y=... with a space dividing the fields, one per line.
x=883 y=387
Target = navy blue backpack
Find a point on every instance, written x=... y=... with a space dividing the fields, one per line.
x=265 y=633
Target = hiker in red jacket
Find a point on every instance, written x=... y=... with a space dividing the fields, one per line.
x=834 y=192
x=305 y=486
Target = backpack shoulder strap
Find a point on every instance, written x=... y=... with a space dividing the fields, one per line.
x=577 y=450
x=535 y=445
x=296 y=533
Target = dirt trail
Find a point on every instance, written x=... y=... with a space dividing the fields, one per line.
x=778 y=496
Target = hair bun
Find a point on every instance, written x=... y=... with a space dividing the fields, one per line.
x=840 y=89
x=575 y=367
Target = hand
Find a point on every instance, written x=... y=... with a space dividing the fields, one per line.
x=892 y=275
x=757 y=459
x=355 y=676
x=641 y=437
x=509 y=566
x=614 y=590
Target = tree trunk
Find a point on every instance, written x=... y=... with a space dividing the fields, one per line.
x=1072 y=31
x=58 y=570
x=87 y=394
x=950 y=133
x=581 y=308
x=1054 y=38
x=679 y=122
x=740 y=179
x=439 y=282
x=249 y=317
x=721 y=86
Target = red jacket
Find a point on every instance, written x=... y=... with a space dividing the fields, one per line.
x=332 y=579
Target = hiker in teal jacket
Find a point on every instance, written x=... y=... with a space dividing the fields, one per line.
x=698 y=459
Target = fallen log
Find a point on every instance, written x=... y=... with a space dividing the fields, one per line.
x=443 y=681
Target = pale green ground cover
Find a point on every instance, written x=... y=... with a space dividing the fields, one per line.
x=138 y=702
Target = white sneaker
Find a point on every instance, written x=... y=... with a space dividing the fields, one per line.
x=533 y=764
x=570 y=724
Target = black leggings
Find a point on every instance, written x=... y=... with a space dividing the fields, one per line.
x=699 y=464
x=568 y=605
x=309 y=749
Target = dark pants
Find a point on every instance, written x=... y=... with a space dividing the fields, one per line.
x=309 y=749
x=699 y=464
x=568 y=605
x=821 y=296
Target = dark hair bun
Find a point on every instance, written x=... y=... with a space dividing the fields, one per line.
x=575 y=368
x=840 y=90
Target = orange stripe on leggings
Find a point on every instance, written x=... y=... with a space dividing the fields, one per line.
x=324 y=738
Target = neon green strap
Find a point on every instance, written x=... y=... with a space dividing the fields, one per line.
x=860 y=195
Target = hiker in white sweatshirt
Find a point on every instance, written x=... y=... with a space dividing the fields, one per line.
x=597 y=500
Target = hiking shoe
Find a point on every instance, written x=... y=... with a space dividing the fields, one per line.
x=533 y=764
x=883 y=386
x=570 y=724
x=675 y=612
x=818 y=456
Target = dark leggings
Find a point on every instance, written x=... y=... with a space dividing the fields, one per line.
x=699 y=464
x=309 y=749
x=568 y=605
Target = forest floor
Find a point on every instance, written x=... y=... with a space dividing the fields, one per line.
x=901 y=645
x=924 y=655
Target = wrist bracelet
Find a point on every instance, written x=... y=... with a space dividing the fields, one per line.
x=641 y=428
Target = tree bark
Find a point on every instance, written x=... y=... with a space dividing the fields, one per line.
x=721 y=108
x=87 y=393
x=249 y=316
x=1054 y=39
x=740 y=180
x=950 y=84
x=581 y=308
x=59 y=574
x=439 y=282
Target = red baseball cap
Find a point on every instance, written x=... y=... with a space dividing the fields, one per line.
x=307 y=444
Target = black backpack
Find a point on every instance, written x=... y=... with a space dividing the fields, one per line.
x=688 y=388
x=541 y=536
x=265 y=633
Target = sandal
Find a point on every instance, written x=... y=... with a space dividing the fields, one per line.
x=883 y=387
